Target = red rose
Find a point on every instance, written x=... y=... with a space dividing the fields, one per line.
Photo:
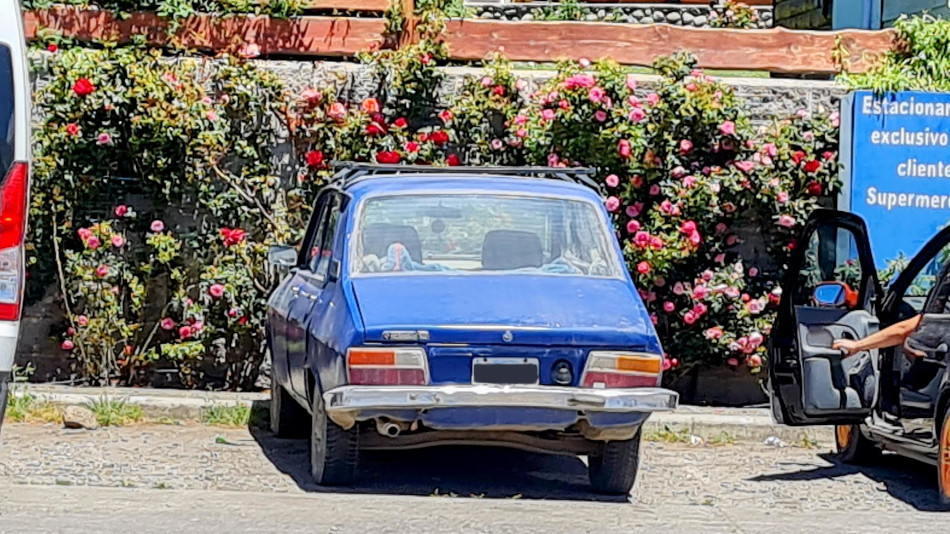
x=232 y=237
x=314 y=158
x=423 y=137
x=498 y=90
x=412 y=147
x=439 y=137
x=798 y=156
x=814 y=189
x=72 y=129
x=388 y=156
x=400 y=123
x=83 y=87
x=374 y=129
x=812 y=165
x=453 y=160
x=52 y=47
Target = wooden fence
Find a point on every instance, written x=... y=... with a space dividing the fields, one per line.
x=313 y=36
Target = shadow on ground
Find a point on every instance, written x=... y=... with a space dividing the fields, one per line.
x=463 y=471
x=912 y=482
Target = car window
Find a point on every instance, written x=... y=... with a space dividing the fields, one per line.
x=322 y=260
x=7 y=106
x=316 y=240
x=831 y=256
x=477 y=233
x=926 y=281
x=939 y=302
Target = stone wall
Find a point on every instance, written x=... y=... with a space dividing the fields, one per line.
x=677 y=14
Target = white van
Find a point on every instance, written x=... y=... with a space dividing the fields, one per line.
x=14 y=182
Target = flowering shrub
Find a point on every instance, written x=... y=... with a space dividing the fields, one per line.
x=181 y=8
x=732 y=14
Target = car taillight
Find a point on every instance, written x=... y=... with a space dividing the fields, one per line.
x=13 y=192
x=387 y=366
x=608 y=369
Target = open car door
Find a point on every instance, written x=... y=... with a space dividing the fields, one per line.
x=830 y=292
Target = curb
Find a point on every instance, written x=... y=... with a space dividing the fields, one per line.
x=740 y=424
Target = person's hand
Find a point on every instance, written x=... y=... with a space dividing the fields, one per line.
x=846 y=346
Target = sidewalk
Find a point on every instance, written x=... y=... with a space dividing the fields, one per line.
x=741 y=424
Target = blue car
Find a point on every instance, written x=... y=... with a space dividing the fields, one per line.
x=433 y=306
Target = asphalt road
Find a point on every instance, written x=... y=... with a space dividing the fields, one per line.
x=147 y=479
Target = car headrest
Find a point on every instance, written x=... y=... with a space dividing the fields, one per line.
x=378 y=237
x=505 y=250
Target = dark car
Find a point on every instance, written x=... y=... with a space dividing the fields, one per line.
x=896 y=399
x=455 y=307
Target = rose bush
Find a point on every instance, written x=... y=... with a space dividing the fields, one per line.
x=705 y=205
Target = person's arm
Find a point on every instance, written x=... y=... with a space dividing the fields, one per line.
x=889 y=337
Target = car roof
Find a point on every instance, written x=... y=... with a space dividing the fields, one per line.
x=387 y=184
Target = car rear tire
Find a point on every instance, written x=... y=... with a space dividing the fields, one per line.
x=288 y=419
x=854 y=447
x=943 y=460
x=334 y=452
x=614 y=471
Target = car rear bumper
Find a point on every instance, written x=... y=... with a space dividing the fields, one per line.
x=488 y=407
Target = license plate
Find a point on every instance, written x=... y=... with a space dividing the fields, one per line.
x=505 y=371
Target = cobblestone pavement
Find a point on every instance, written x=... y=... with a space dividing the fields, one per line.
x=54 y=479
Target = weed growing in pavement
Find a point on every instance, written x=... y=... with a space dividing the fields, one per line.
x=235 y=415
x=723 y=438
x=27 y=408
x=18 y=406
x=668 y=435
x=807 y=442
x=111 y=411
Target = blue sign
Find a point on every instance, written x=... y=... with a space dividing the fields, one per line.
x=896 y=154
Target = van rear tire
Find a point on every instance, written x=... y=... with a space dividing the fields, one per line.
x=854 y=447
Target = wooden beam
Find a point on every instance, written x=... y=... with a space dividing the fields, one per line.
x=303 y=36
x=348 y=5
x=674 y=2
x=776 y=50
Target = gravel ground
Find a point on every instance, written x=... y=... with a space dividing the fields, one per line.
x=195 y=457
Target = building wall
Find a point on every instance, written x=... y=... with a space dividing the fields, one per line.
x=892 y=9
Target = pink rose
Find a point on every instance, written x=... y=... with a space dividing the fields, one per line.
x=689 y=181
x=117 y=240
x=781 y=197
x=82 y=320
x=713 y=333
x=835 y=119
x=496 y=144
x=756 y=339
x=754 y=361
x=719 y=258
x=707 y=275
x=689 y=317
x=770 y=150
x=631 y=82
x=612 y=180
x=699 y=309
x=727 y=128
x=185 y=332
x=691 y=87
x=686 y=146
x=695 y=238
x=487 y=81
x=93 y=243
x=668 y=307
x=732 y=292
x=700 y=292
x=753 y=272
x=688 y=227
x=633 y=210
x=633 y=226
x=121 y=210
x=654 y=190
x=641 y=239
x=623 y=148
x=600 y=115
x=102 y=271
x=656 y=243
x=84 y=233
x=104 y=139
x=547 y=114
x=312 y=96
x=786 y=220
x=67 y=345
x=596 y=94
x=521 y=85
x=643 y=267
x=167 y=324
x=637 y=115
x=745 y=166
x=678 y=171
x=733 y=362
x=653 y=99
x=654 y=319
x=216 y=291
x=337 y=112
x=157 y=226
x=612 y=203
x=552 y=160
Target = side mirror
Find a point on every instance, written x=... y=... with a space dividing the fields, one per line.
x=333 y=272
x=282 y=256
x=835 y=295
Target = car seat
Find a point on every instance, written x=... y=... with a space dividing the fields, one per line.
x=378 y=237
x=504 y=250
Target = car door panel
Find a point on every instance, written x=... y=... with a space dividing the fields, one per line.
x=924 y=378
x=832 y=383
x=303 y=298
x=811 y=383
x=278 y=308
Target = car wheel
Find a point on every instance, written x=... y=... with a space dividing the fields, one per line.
x=943 y=460
x=334 y=452
x=288 y=419
x=615 y=470
x=854 y=447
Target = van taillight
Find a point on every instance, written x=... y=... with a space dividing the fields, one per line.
x=13 y=192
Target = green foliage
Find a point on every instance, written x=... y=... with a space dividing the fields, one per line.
x=112 y=411
x=234 y=415
x=732 y=14
x=18 y=406
x=920 y=62
x=182 y=8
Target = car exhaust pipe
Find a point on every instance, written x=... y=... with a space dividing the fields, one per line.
x=387 y=428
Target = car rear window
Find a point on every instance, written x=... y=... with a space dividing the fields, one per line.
x=455 y=233
x=7 y=105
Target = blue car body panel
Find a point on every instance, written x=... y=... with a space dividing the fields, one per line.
x=553 y=318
